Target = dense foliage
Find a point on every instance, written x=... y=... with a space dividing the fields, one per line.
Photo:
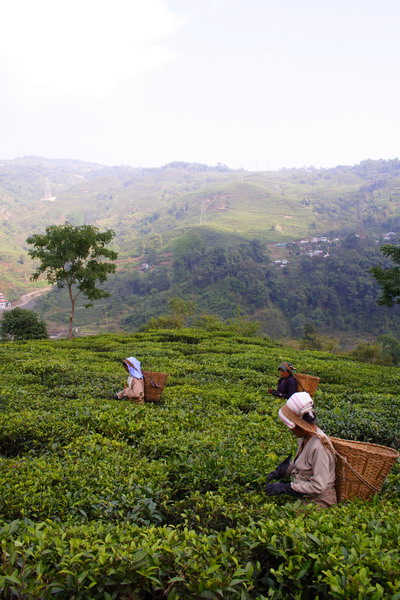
x=389 y=279
x=334 y=291
x=104 y=499
x=337 y=292
x=22 y=324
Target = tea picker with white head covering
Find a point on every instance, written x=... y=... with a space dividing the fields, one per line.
x=312 y=471
x=135 y=385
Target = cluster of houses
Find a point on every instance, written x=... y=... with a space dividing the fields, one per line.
x=3 y=302
x=312 y=246
x=307 y=247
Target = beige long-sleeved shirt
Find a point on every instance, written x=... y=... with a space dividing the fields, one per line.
x=313 y=471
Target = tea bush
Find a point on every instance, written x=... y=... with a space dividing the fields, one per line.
x=105 y=499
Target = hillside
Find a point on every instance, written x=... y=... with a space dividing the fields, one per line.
x=325 y=283
x=161 y=215
x=105 y=499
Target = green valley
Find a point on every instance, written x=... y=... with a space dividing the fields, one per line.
x=282 y=248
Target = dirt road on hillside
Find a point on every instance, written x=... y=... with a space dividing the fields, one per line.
x=28 y=300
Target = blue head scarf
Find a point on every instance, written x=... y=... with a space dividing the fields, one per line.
x=134 y=367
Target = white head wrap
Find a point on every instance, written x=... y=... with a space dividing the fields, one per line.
x=299 y=403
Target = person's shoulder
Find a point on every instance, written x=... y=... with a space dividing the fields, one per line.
x=317 y=440
x=321 y=441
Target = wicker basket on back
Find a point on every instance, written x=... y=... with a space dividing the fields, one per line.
x=361 y=467
x=154 y=384
x=307 y=383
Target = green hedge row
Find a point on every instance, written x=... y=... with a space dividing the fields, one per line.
x=299 y=553
x=102 y=498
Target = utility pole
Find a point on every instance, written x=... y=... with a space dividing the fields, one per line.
x=203 y=215
x=47 y=194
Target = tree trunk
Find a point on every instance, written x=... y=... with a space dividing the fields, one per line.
x=71 y=316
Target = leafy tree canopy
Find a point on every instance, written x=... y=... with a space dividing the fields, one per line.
x=71 y=257
x=179 y=311
x=22 y=324
x=390 y=349
x=389 y=279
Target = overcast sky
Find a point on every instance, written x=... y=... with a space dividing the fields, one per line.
x=254 y=84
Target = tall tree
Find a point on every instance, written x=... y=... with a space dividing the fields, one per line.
x=70 y=257
x=389 y=279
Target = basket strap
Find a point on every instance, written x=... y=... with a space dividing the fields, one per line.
x=151 y=381
x=327 y=442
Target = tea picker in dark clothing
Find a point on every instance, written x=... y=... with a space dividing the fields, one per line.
x=287 y=384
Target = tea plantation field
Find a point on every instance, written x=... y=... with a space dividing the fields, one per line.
x=104 y=499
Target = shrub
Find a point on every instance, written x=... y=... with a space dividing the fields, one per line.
x=22 y=324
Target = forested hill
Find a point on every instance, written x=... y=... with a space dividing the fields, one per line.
x=284 y=247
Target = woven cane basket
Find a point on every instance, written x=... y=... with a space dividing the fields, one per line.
x=154 y=384
x=307 y=383
x=361 y=468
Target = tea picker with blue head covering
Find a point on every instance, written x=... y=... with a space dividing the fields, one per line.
x=135 y=385
x=287 y=384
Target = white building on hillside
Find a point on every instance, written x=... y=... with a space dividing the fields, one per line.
x=3 y=302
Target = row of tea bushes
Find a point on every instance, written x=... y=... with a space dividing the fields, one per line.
x=293 y=552
x=106 y=499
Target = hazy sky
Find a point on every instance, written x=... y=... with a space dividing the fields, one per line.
x=254 y=84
